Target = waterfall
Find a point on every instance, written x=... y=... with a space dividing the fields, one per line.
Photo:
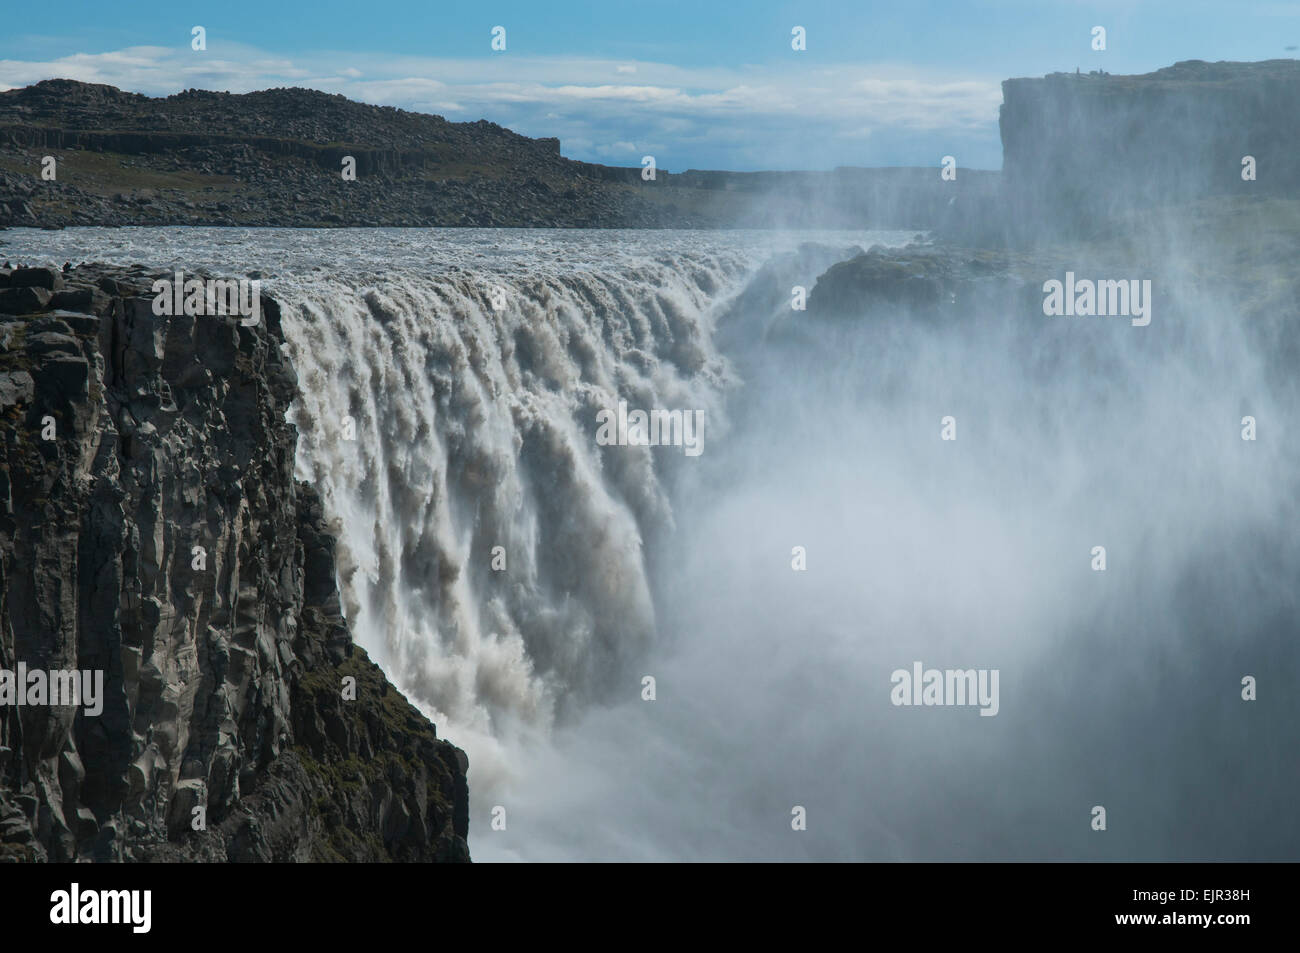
x=450 y=387
x=449 y=423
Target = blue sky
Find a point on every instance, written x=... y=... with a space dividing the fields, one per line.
x=697 y=84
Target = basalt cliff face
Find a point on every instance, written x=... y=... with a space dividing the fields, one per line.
x=1079 y=149
x=151 y=528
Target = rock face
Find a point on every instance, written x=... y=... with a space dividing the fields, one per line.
x=159 y=536
x=1080 y=148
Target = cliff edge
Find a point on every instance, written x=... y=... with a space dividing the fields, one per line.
x=1083 y=148
x=151 y=530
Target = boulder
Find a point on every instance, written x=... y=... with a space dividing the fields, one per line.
x=47 y=278
x=24 y=300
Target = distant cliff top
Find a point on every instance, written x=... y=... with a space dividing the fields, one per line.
x=1223 y=73
x=1080 y=149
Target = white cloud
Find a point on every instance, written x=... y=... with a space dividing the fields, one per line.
x=617 y=149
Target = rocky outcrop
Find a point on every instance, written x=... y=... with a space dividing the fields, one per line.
x=151 y=529
x=936 y=284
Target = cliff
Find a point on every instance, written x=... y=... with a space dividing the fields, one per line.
x=128 y=441
x=1079 y=149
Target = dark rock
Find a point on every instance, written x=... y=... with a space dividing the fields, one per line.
x=62 y=381
x=39 y=343
x=24 y=300
x=85 y=300
x=16 y=387
x=47 y=278
x=77 y=321
x=222 y=683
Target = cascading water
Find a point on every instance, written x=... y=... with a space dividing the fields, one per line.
x=439 y=427
x=493 y=558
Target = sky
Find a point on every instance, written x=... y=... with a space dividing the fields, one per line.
x=704 y=85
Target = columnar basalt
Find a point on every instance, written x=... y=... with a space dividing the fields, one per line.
x=151 y=528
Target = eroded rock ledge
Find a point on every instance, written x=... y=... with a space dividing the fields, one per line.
x=223 y=685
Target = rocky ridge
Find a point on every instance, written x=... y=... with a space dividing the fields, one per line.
x=274 y=158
